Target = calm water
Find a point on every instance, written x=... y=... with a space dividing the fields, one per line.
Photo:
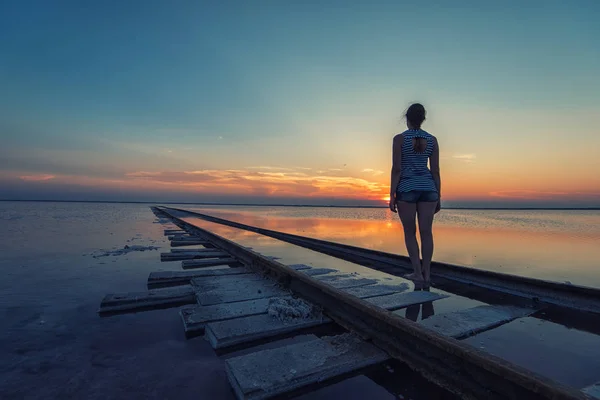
x=53 y=344
x=554 y=245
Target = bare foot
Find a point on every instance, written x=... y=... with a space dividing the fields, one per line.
x=422 y=285
x=414 y=277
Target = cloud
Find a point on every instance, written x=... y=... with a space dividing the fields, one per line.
x=271 y=168
x=266 y=181
x=375 y=172
x=270 y=182
x=37 y=178
x=468 y=158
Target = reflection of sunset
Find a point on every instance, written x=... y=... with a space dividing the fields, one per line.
x=566 y=255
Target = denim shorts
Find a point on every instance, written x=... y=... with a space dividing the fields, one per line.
x=416 y=196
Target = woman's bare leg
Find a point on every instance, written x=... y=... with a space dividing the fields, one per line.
x=407 y=212
x=426 y=211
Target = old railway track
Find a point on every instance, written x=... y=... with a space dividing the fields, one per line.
x=249 y=303
x=570 y=305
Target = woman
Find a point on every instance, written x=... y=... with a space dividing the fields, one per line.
x=416 y=189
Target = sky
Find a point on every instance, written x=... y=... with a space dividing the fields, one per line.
x=298 y=102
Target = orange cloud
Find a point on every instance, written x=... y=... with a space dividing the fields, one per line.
x=37 y=178
x=458 y=185
x=281 y=183
x=372 y=171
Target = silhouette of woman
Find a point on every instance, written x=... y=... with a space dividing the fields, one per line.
x=415 y=189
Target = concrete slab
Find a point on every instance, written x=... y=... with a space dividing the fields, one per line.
x=149 y=299
x=172 y=278
x=464 y=323
x=236 y=331
x=173 y=231
x=199 y=249
x=300 y=267
x=333 y=277
x=272 y=344
x=181 y=237
x=269 y=373
x=196 y=317
x=349 y=282
x=187 y=264
x=195 y=263
x=560 y=353
x=187 y=238
x=257 y=290
x=233 y=282
x=319 y=271
x=134 y=297
x=195 y=242
x=209 y=253
x=593 y=390
x=365 y=292
x=401 y=300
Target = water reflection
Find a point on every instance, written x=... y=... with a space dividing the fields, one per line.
x=561 y=246
x=412 y=312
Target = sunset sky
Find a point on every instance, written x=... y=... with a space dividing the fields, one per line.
x=273 y=102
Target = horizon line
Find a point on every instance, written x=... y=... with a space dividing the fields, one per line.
x=290 y=205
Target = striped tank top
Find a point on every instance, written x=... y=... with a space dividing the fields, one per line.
x=415 y=173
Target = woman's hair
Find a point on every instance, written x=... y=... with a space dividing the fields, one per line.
x=416 y=115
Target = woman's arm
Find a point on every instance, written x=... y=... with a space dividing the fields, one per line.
x=396 y=169
x=434 y=163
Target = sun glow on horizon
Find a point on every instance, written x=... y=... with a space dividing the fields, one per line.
x=306 y=185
